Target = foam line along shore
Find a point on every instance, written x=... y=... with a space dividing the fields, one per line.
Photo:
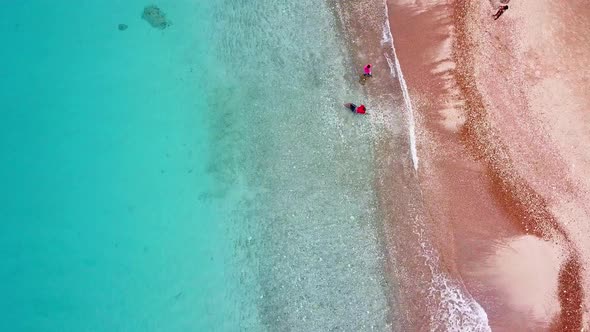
x=425 y=294
x=501 y=175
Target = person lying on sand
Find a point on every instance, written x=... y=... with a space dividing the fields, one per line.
x=501 y=10
x=367 y=71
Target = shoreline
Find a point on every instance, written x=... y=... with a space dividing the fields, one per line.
x=384 y=98
x=488 y=231
x=425 y=293
x=491 y=200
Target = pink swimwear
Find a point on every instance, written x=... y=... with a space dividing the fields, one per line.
x=368 y=69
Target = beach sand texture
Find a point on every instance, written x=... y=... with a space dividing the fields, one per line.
x=502 y=109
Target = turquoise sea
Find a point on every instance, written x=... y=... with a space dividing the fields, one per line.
x=203 y=177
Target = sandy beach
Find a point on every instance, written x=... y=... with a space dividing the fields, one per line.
x=426 y=290
x=501 y=109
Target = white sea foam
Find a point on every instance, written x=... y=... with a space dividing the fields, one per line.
x=388 y=37
x=453 y=308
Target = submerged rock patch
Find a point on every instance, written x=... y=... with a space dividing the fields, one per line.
x=155 y=17
x=123 y=27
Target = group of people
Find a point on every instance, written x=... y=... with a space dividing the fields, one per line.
x=367 y=72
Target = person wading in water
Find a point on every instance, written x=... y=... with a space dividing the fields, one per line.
x=367 y=71
x=366 y=74
x=356 y=109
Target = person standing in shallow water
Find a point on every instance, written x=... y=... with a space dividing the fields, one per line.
x=367 y=71
x=501 y=10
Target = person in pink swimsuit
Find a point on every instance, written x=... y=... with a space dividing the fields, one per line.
x=367 y=70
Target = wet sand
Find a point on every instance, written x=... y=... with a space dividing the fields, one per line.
x=502 y=177
x=426 y=291
x=362 y=23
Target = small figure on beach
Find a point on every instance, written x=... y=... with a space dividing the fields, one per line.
x=501 y=10
x=367 y=71
x=356 y=109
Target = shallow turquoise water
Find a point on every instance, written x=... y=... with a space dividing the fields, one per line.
x=198 y=178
